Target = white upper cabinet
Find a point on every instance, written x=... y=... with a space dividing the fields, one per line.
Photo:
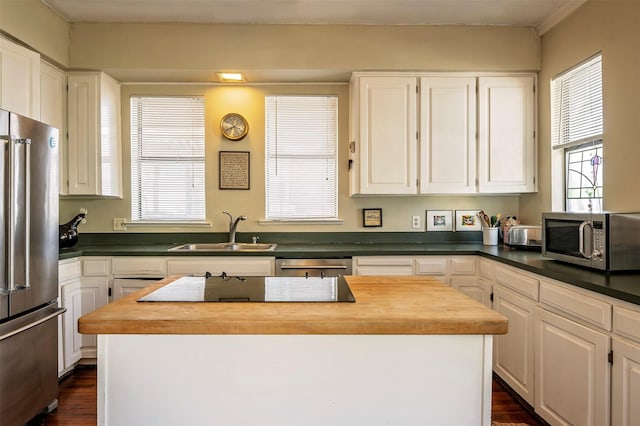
x=463 y=134
x=94 y=135
x=19 y=79
x=506 y=146
x=447 y=135
x=53 y=102
x=384 y=114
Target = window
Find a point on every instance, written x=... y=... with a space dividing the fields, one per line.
x=577 y=133
x=167 y=159
x=301 y=157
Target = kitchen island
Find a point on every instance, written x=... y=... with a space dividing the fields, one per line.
x=410 y=350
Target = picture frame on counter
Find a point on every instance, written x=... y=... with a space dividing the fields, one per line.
x=466 y=220
x=371 y=218
x=439 y=220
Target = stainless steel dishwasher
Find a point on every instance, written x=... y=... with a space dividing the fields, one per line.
x=313 y=267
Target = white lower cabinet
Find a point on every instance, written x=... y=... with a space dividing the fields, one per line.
x=69 y=281
x=80 y=297
x=625 y=381
x=125 y=286
x=572 y=372
x=625 y=391
x=475 y=288
x=513 y=353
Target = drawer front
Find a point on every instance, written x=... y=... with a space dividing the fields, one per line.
x=463 y=265
x=384 y=261
x=138 y=266
x=518 y=281
x=69 y=270
x=431 y=266
x=626 y=323
x=247 y=266
x=586 y=308
x=96 y=267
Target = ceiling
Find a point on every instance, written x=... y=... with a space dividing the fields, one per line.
x=541 y=14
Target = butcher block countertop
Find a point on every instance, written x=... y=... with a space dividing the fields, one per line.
x=384 y=305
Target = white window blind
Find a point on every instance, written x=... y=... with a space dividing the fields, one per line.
x=301 y=157
x=167 y=159
x=576 y=104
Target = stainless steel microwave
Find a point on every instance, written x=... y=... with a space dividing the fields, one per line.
x=603 y=241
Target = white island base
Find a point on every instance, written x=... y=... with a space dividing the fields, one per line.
x=351 y=380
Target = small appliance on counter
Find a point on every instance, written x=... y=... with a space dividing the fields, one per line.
x=523 y=237
x=605 y=241
x=69 y=231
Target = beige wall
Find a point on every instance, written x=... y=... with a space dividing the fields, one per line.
x=36 y=25
x=612 y=28
x=151 y=51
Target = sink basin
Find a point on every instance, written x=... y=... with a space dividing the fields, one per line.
x=225 y=247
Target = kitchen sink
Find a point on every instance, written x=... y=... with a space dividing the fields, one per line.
x=225 y=247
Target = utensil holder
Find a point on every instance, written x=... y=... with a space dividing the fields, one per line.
x=490 y=236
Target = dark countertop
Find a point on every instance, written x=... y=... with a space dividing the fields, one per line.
x=620 y=285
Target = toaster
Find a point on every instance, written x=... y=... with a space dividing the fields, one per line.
x=523 y=236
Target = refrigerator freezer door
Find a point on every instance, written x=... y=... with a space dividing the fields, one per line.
x=28 y=357
x=33 y=223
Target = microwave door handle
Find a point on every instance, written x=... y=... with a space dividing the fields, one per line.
x=581 y=239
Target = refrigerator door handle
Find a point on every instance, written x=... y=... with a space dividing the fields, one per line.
x=13 y=196
x=11 y=282
x=27 y=212
x=33 y=324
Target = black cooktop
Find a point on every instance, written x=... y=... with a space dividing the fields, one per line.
x=253 y=289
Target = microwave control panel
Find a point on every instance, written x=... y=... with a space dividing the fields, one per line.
x=598 y=240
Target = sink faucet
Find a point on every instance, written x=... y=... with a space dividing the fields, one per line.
x=233 y=225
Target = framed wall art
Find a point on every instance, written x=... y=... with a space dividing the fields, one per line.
x=466 y=220
x=439 y=220
x=371 y=217
x=234 y=169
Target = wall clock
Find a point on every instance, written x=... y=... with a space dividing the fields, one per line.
x=234 y=126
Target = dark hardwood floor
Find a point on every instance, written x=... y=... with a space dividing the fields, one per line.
x=77 y=403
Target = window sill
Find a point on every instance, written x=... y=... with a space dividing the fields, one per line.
x=301 y=222
x=169 y=223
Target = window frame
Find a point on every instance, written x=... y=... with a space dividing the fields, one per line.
x=274 y=219
x=561 y=146
x=135 y=202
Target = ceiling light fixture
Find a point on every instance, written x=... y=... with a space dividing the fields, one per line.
x=233 y=77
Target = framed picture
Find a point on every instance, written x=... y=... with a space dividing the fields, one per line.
x=371 y=217
x=466 y=220
x=234 y=169
x=439 y=220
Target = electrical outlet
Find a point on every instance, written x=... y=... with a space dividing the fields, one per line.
x=86 y=212
x=119 y=224
x=415 y=221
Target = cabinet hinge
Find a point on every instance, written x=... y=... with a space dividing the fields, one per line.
x=352 y=147
x=610 y=357
x=109 y=292
x=417 y=183
x=417 y=135
x=491 y=297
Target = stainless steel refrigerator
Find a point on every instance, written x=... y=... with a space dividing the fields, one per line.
x=28 y=268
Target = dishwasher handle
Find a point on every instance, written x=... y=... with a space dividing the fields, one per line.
x=288 y=266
